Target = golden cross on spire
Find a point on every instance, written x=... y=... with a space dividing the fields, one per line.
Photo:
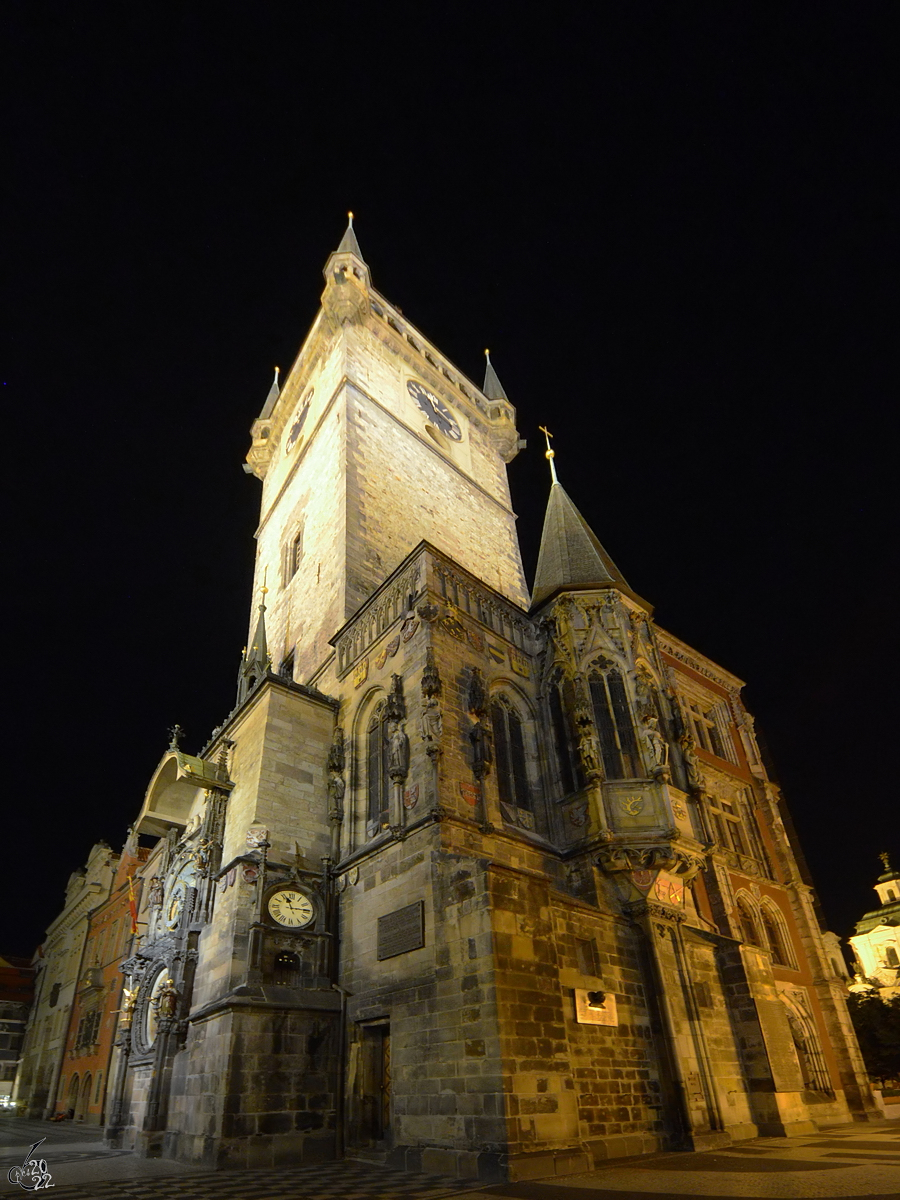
x=551 y=453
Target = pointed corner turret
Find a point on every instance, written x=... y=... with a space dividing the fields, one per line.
x=271 y=398
x=256 y=661
x=347 y=281
x=571 y=557
x=492 y=388
x=348 y=256
x=349 y=244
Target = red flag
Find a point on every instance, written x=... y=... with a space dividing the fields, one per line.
x=132 y=904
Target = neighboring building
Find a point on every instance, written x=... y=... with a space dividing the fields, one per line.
x=482 y=882
x=16 y=995
x=58 y=964
x=94 y=1018
x=876 y=943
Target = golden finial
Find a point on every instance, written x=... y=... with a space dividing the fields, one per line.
x=350 y=217
x=264 y=589
x=550 y=453
x=885 y=859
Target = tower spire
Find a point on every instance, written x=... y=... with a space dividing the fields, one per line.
x=271 y=398
x=349 y=244
x=492 y=388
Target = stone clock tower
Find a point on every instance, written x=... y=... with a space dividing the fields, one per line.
x=468 y=881
x=375 y=443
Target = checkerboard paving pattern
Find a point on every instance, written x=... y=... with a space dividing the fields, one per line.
x=331 y=1181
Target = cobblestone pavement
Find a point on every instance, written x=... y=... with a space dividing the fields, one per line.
x=861 y=1161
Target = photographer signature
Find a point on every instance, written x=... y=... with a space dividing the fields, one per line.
x=33 y=1173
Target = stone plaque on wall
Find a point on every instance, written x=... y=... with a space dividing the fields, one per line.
x=402 y=930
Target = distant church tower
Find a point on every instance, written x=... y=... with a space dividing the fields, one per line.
x=472 y=881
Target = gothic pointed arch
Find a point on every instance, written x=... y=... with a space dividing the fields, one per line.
x=614 y=719
x=560 y=700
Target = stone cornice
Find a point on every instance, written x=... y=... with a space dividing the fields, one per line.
x=698 y=662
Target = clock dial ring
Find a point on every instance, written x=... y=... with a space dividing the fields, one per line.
x=434 y=410
x=290 y=908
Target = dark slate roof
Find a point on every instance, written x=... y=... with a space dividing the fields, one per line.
x=570 y=555
x=349 y=244
x=493 y=388
x=888 y=914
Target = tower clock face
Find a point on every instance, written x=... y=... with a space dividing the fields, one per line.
x=434 y=409
x=290 y=908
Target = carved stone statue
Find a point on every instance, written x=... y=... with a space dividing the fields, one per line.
x=202 y=856
x=476 y=696
x=431 y=724
x=398 y=752
x=657 y=746
x=395 y=705
x=167 y=1000
x=336 y=752
x=589 y=751
x=156 y=892
x=691 y=763
x=337 y=788
x=126 y=1012
x=482 y=757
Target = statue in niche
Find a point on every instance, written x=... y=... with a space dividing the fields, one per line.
x=657 y=746
x=482 y=757
x=647 y=696
x=431 y=679
x=337 y=788
x=398 y=751
x=476 y=696
x=395 y=705
x=431 y=724
x=589 y=750
x=336 y=754
x=691 y=763
x=167 y=1000
x=202 y=856
x=156 y=892
x=126 y=1012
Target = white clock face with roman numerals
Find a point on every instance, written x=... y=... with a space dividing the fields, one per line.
x=290 y=908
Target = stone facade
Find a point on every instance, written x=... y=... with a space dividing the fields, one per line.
x=469 y=886
x=876 y=942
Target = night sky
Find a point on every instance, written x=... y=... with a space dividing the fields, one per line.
x=673 y=224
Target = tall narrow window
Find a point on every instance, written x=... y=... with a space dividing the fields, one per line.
x=706 y=728
x=773 y=938
x=561 y=700
x=612 y=715
x=509 y=751
x=749 y=932
x=377 y=779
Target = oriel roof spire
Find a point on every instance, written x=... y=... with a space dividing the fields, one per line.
x=493 y=388
x=571 y=556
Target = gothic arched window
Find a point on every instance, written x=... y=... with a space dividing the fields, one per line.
x=774 y=938
x=378 y=789
x=747 y=922
x=561 y=700
x=615 y=728
x=509 y=754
